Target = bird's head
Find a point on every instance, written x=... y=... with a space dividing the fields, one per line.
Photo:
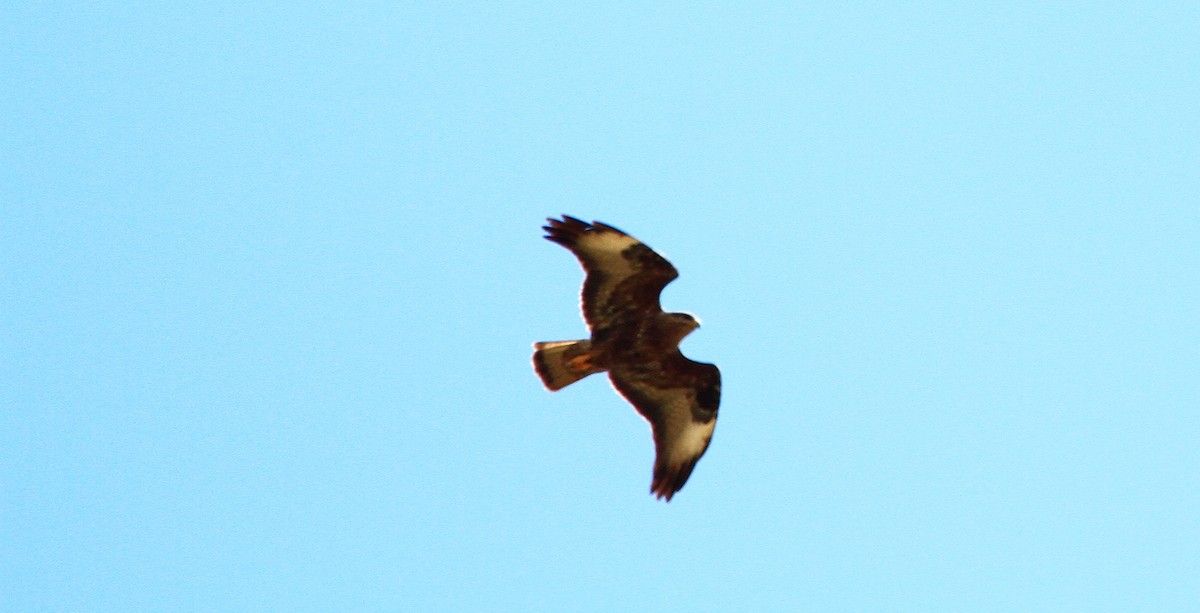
x=683 y=324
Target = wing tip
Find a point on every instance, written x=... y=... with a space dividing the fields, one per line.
x=568 y=230
x=565 y=231
x=669 y=480
x=662 y=494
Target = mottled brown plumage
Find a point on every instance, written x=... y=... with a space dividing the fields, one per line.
x=637 y=344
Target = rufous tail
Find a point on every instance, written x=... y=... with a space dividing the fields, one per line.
x=561 y=363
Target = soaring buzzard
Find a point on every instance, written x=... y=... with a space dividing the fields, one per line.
x=637 y=344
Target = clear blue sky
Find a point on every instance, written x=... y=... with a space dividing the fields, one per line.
x=270 y=277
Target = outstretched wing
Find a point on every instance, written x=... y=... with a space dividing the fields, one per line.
x=624 y=276
x=680 y=401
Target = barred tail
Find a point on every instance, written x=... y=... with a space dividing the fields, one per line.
x=561 y=363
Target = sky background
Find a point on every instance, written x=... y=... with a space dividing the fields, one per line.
x=269 y=276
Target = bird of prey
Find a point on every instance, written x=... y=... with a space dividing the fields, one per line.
x=637 y=344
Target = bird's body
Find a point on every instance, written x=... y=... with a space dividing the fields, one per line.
x=637 y=343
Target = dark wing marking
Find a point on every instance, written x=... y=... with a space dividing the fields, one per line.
x=624 y=276
x=679 y=398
